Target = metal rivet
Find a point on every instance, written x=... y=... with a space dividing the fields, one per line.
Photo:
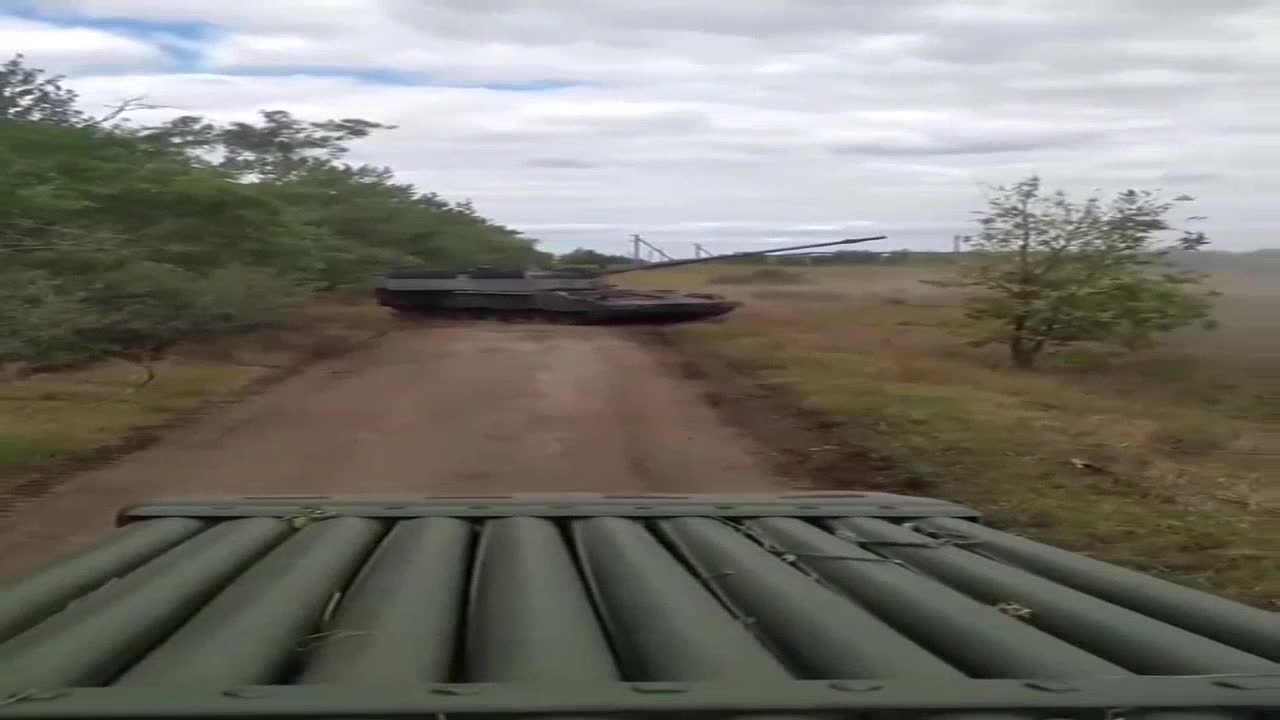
x=246 y=693
x=454 y=690
x=660 y=688
x=855 y=686
x=1050 y=686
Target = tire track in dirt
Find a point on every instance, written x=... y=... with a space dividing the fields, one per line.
x=454 y=408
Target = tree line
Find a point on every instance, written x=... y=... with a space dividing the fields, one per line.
x=120 y=239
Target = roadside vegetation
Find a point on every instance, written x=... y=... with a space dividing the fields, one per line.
x=1159 y=455
x=125 y=245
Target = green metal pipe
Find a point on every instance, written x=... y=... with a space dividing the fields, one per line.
x=663 y=623
x=820 y=633
x=250 y=630
x=30 y=598
x=399 y=621
x=100 y=635
x=1127 y=638
x=529 y=616
x=976 y=638
x=1248 y=628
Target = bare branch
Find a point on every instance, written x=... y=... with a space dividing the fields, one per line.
x=125 y=106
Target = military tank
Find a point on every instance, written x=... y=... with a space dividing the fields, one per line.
x=576 y=295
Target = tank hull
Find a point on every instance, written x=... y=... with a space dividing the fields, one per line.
x=595 y=308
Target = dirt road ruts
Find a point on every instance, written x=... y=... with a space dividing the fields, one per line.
x=466 y=408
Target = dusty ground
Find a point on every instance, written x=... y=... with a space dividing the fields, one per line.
x=482 y=408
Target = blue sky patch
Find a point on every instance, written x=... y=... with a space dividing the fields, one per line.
x=379 y=76
x=187 y=30
x=391 y=76
x=182 y=41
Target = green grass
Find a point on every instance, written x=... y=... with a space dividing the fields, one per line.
x=1163 y=461
x=50 y=419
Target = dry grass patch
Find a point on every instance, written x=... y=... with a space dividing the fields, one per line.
x=1164 y=460
x=49 y=420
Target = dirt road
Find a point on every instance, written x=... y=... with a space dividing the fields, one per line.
x=483 y=408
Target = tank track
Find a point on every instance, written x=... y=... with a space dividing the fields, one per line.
x=503 y=316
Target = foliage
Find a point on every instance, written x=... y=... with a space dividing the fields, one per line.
x=592 y=258
x=26 y=95
x=122 y=240
x=1047 y=271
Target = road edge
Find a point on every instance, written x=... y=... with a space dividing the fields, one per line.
x=808 y=449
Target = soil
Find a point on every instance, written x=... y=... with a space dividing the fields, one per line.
x=475 y=408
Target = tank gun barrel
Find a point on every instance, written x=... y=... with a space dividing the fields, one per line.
x=747 y=253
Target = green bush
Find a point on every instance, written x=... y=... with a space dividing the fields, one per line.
x=121 y=241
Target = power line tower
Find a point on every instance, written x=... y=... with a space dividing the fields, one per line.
x=643 y=250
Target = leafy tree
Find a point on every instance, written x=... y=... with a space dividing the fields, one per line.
x=1048 y=271
x=278 y=148
x=119 y=240
x=585 y=256
x=26 y=94
x=38 y=320
x=30 y=95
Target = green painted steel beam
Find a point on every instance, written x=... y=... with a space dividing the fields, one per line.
x=907 y=698
x=28 y=599
x=1129 y=639
x=529 y=617
x=566 y=505
x=664 y=624
x=400 y=620
x=250 y=630
x=107 y=630
x=1248 y=628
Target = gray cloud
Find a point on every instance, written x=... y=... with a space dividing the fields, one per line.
x=783 y=114
x=560 y=163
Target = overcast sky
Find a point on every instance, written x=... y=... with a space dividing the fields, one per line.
x=733 y=123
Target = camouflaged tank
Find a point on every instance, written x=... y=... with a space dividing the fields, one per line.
x=566 y=295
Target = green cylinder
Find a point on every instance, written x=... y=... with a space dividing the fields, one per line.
x=974 y=637
x=97 y=637
x=1127 y=638
x=399 y=621
x=250 y=630
x=529 y=618
x=28 y=599
x=1248 y=628
x=663 y=623
x=820 y=633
